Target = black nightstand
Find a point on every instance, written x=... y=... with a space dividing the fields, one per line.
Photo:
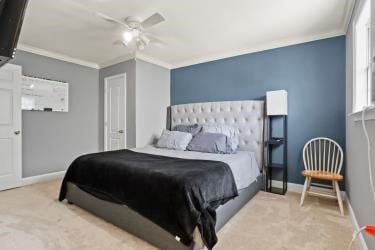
x=279 y=168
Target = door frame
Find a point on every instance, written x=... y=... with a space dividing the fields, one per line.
x=106 y=79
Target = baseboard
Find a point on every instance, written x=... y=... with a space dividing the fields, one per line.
x=42 y=178
x=297 y=188
x=353 y=218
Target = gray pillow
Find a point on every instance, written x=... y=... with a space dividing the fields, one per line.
x=210 y=143
x=192 y=129
x=174 y=140
x=231 y=132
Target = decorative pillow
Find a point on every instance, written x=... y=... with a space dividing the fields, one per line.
x=231 y=132
x=192 y=129
x=174 y=140
x=210 y=143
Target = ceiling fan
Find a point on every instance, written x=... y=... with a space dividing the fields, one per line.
x=135 y=34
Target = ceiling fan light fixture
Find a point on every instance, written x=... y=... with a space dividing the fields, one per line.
x=141 y=45
x=128 y=36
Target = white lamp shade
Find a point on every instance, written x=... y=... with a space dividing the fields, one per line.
x=277 y=102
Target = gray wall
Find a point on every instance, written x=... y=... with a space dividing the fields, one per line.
x=373 y=47
x=51 y=140
x=357 y=175
x=127 y=67
x=153 y=98
x=148 y=95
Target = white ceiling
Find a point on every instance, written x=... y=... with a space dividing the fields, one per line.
x=195 y=30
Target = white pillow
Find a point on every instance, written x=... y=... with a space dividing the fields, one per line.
x=174 y=140
x=231 y=132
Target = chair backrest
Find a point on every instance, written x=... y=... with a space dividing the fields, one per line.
x=323 y=154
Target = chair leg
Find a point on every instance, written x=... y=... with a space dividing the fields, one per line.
x=308 y=184
x=307 y=180
x=333 y=187
x=338 y=193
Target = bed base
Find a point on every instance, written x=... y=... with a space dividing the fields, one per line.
x=134 y=223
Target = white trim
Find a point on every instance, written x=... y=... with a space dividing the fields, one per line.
x=297 y=188
x=292 y=187
x=208 y=58
x=247 y=50
x=116 y=60
x=106 y=79
x=42 y=178
x=355 y=17
x=57 y=56
x=357 y=116
x=349 y=8
x=140 y=56
x=153 y=60
x=353 y=218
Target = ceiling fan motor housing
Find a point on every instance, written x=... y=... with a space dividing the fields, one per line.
x=133 y=22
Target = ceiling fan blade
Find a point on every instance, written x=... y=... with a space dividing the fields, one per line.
x=120 y=42
x=111 y=19
x=152 y=20
x=92 y=11
x=144 y=38
x=156 y=41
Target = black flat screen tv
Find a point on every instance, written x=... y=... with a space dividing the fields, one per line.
x=11 y=18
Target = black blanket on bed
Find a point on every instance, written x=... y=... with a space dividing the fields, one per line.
x=176 y=194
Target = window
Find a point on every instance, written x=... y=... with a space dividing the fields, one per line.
x=362 y=59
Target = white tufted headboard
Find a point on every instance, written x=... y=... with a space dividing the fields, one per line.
x=247 y=116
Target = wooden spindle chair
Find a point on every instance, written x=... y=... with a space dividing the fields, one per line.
x=323 y=159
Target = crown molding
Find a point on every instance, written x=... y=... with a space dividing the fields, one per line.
x=116 y=60
x=140 y=56
x=153 y=60
x=57 y=56
x=252 y=49
x=349 y=9
x=208 y=58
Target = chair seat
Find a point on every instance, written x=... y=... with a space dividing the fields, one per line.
x=322 y=175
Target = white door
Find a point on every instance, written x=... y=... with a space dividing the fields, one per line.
x=115 y=112
x=10 y=127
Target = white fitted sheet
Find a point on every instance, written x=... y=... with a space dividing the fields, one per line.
x=243 y=163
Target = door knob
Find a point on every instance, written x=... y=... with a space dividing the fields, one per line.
x=17 y=132
x=121 y=131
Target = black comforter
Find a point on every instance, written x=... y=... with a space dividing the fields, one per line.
x=176 y=194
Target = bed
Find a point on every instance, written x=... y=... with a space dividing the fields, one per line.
x=247 y=116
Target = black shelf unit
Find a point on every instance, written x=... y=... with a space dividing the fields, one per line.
x=273 y=168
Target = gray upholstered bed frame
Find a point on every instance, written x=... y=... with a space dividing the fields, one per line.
x=247 y=116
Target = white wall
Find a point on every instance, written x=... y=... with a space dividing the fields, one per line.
x=152 y=100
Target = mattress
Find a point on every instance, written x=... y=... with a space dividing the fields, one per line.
x=243 y=164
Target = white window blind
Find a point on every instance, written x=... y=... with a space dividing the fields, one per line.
x=363 y=92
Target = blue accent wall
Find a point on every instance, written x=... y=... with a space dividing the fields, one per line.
x=313 y=73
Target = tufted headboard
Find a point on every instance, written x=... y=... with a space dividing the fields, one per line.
x=247 y=116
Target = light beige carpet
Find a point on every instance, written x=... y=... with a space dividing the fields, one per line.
x=32 y=218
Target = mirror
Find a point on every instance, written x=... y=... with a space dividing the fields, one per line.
x=44 y=95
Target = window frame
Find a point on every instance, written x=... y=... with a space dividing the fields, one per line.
x=355 y=59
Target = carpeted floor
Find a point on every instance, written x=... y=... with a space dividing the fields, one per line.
x=31 y=218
